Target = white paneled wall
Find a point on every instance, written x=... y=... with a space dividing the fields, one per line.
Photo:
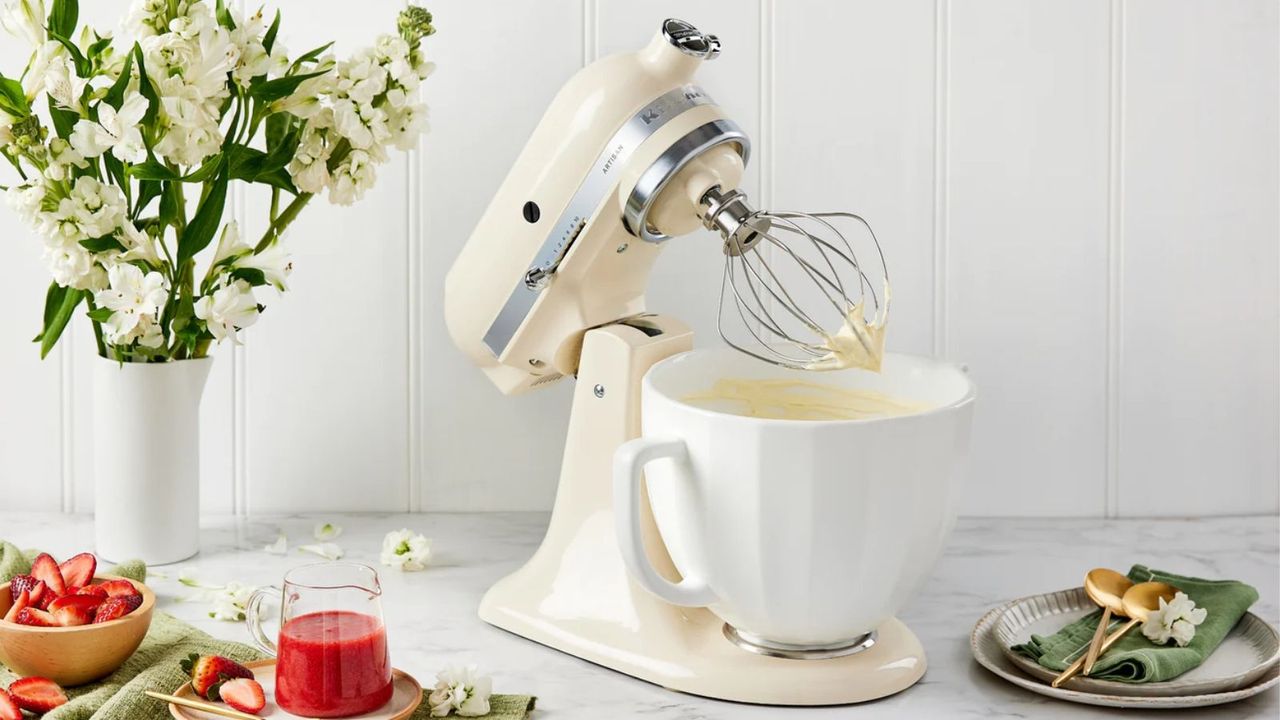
x=1078 y=199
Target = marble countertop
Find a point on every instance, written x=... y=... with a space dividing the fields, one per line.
x=433 y=621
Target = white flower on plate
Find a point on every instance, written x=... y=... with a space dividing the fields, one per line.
x=116 y=131
x=462 y=690
x=406 y=550
x=136 y=301
x=280 y=546
x=230 y=600
x=274 y=263
x=227 y=309
x=24 y=19
x=1176 y=620
x=326 y=531
x=328 y=550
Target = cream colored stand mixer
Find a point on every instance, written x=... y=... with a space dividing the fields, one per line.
x=551 y=285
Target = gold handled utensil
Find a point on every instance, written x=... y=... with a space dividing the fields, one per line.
x=203 y=706
x=1106 y=588
x=1139 y=601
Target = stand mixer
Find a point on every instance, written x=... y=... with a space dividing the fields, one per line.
x=551 y=284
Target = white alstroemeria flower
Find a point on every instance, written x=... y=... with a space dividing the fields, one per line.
x=328 y=551
x=230 y=600
x=114 y=131
x=325 y=531
x=274 y=263
x=136 y=301
x=229 y=243
x=461 y=689
x=47 y=56
x=280 y=546
x=24 y=19
x=62 y=84
x=406 y=550
x=1176 y=620
x=138 y=245
x=229 y=308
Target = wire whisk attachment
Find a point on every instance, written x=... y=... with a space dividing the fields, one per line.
x=794 y=292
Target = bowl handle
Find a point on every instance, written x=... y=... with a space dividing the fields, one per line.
x=628 y=474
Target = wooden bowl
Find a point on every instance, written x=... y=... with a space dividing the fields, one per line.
x=73 y=656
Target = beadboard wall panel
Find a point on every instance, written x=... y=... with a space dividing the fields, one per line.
x=1024 y=237
x=1200 y=361
x=1092 y=164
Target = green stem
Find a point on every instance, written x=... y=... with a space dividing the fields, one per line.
x=97 y=327
x=282 y=222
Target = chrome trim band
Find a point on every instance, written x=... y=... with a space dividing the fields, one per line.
x=593 y=189
x=751 y=643
x=656 y=177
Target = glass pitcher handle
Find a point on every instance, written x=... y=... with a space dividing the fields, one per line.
x=253 y=618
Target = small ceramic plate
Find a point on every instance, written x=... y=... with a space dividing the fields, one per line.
x=404 y=700
x=1249 y=651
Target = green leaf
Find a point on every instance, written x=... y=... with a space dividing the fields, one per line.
x=59 y=304
x=102 y=244
x=280 y=87
x=269 y=40
x=62 y=19
x=63 y=120
x=148 y=190
x=13 y=100
x=148 y=91
x=278 y=177
x=100 y=314
x=115 y=96
x=309 y=56
x=277 y=127
x=205 y=223
x=224 y=16
x=116 y=170
x=172 y=211
x=83 y=67
x=152 y=169
x=253 y=276
x=205 y=171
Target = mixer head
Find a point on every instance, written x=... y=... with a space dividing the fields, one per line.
x=794 y=292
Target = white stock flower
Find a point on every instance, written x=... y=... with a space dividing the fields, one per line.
x=63 y=157
x=462 y=690
x=326 y=531
x=91 y=210
x=26 y=201
x=73 y=266
x=116 y=131
x=136 y=301
x=353 y=176
x=1176 y=620
x=309 y=167
x=24 y=19
x=274 y=263
x=406 y=550
x=328 y=551
x=406 y=124
x=227 y=309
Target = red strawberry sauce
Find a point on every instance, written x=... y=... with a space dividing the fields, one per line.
x=333 y=664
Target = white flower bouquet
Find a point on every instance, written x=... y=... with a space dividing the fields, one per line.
x=125 y=148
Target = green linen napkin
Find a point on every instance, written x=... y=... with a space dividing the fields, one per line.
x=155 y=665
x=1135 y=659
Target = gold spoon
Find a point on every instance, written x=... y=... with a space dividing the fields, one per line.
x=1106 y=588
x=1138 y=601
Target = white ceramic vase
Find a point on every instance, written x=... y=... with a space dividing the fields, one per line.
x=146 y=434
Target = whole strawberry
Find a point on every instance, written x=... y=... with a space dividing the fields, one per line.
x=209 y=672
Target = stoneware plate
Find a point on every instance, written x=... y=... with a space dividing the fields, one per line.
x=1249 y=651
x=404 y=700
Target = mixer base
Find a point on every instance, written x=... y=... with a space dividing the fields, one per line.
x=575 y=595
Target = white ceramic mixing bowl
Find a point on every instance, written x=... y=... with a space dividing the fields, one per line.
x=799 y=534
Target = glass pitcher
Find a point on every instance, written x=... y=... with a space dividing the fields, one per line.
x=331 y=651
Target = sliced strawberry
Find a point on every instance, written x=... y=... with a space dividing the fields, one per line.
x=36 y=618
x=111 y=609
x=45 y=568
x=41 y=595
x=8 y=709
x=18 y=606
x=20 y=583
x=92 y=591
x=72 y=615
x=79 y=570
x=37 y=694
x=209 y=672
x=244 y=695
x=119 y=588
x=133 y=602
x=87 y=602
